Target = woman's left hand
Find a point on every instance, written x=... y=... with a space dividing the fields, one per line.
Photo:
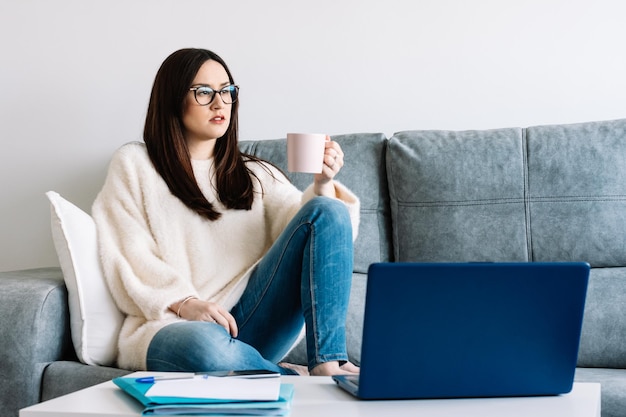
x=333 y=162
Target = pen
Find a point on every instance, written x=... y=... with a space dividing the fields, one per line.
x=153 y=379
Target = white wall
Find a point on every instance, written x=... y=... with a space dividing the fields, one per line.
x=75 y=77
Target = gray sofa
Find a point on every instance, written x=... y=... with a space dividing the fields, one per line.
x=546 y=193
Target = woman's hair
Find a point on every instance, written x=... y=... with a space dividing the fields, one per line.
x=164 y=135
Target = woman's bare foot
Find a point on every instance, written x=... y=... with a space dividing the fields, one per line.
x=351 y=368
x=333 y=368
x=300 y=369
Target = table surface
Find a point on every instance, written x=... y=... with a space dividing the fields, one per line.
x=320 y=396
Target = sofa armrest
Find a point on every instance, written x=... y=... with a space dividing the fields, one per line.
x=34 y=323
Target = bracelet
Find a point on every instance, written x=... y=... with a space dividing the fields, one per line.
x=182 y=303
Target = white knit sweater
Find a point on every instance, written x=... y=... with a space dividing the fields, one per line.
x=155 y=251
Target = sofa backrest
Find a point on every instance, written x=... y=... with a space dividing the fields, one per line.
x=363 y=173
x=547 y=193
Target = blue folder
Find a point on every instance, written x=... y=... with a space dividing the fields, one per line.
x=204 y=406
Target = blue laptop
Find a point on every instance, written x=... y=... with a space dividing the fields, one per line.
x=445 y=330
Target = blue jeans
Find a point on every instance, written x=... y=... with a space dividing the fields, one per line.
x=303 y=279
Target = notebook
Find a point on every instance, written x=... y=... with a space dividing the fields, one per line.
x=446 y=330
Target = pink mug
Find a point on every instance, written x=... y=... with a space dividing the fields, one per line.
x=305 y=152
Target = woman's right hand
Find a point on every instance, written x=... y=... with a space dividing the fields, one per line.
x=199 y=310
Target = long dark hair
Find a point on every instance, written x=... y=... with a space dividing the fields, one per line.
x=167 y=148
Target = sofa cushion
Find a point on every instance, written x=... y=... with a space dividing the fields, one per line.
x=363 y=173
x=63 y=377
x=613 y=387
x=94 y=318
x=604 y=328
x=458 y=196
x=577 y=192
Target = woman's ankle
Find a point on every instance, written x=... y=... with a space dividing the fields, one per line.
x=297 y=369
x=333 y=368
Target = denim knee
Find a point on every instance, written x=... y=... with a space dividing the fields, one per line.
x=191 y=347
x=196 y=346
x=332 y=209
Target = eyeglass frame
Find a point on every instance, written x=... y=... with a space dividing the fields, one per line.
x=216 y=92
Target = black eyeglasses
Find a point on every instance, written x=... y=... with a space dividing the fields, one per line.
x=204 y=94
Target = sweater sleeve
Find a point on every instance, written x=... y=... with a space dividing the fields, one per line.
x=140 y=281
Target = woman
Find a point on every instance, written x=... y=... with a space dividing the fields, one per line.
x=216 y=259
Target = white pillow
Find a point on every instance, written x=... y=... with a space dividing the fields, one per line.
x=95 y=320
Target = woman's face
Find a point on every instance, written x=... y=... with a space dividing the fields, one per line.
x=204 y=124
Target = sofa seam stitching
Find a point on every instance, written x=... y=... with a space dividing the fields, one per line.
x=527 y=213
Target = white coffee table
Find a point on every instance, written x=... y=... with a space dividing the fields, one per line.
x=320 y=397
